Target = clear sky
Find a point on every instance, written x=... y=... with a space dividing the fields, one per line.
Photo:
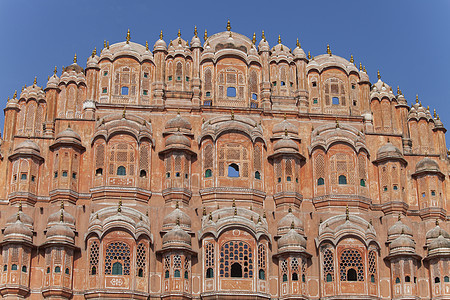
x=408 y=41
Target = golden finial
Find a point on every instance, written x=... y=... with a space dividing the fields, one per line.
x=210 y=216
x=378 y=75
x=75 y=58
x=279 y=39
x=146 y=45
x=228 y=26
x=289 y=209
x=364 y=69
x=177 y=205
x=204 y=211
x=128 y=36
x=259 y=219
x=309 y=55
x=61 y=216
x=20 y=205
x=285 y=132
x=62 y=204
x=351 y=59
x=251 y=218
x=178 y=221
x=107 y=44
x=292 y=225
x=104 y=44
x=179 y=33
x=347 y=216
x=264 y=215
x=94 y=52
x=35 y=80
x=170 y=44
x=285 y=116
x=205 y=36
x=337 y=123
x=195 y=31
x=232 y=115
x=437 y=222
x=15 y=96
x=328 y=50
x=254 y=38
x=119 y=208
x=179 y=41
x=263 y=36
x=235 y=211
x=417 y=98
x=234 y=203
x=187 y=44
x=360 y=66
x=55 y=70
x=398 y=90
x=399 y=217
x=161 y=35
x=124 y=112
x=298 y=44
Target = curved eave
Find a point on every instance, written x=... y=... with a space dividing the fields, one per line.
x=47 y=244
x=290 y=250
x=177 y=148
x=279 y=153
x=76 y=145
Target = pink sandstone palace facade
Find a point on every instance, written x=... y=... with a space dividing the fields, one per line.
x=221 y=168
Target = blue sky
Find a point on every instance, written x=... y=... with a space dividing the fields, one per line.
x=408 y=41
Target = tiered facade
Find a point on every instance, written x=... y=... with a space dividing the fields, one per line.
x=223 y=169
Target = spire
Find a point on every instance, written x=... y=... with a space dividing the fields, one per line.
x=235 y=211
x=15 y=96
x=398 y=90
x=128 y=36
x=259 y=219
x=107 y=44
x=378 y=75
x=347 y=216
x=298 y=44
x=62 y=204
x=177 y=205
x=35 y=80
x=210 y=216
x=161 y=35
x=328 y=50
x=20 y=206
x=75 y=58
x=94 y=52
x=61 y=216
x=263 y=36
x=351 y=59
x=204 y=211
x=104 y=44
x=179 y=33
x=119 y=208
x=195 y=31
x=309 y=55
x=417 y=98
x=232 y=115
x=285 y=132
x=279 y=39
x=364 y=69
x=360 y=66
x=254 y=38
x=337 y=123
x=124 y=112
x=18 y=216
x=228 y=26
x=234 y=203
x=205 y=36
x=146 y=45
x=289 y=209
x=55 y=70
x=292 y=225
x=434 y=113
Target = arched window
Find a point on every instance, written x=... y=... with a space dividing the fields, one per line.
x=176 y=274
x=362 y=182
x=342 y=179
x=233 y=170
x=24 y=269
x=166 y=274
x=329 y=278
x=294 y=276
x=48 y=270
x=303 y=278
x=351 y=275
x=124 y=91
x=372 y=278
x=285 y=278
x=236 y=255
x=257 y=175
x=208 y=173
x=140 y=273
x=121 y=171
x=437 y=280
x=210 y=273
x=186 y=275
x=57 y=269
x=93 y=271
x=397 y=280
x=5 y=268
x=98 y=172
x=407 y=279
x=67 y=271
x=117 y=268
x=236 y=270
x=143 y=174
x=14 y=267
x=446 y=279
x=93 y=258
x=141 y=259
x=117 y=252
x=320 y=181
x=262 y=274
x=328 y=265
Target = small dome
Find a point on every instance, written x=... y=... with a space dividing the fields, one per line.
x=160 y=45
x=195 y=42
x=92 y=61
x=263 y=45
x=60 y=230
x=176 y=236
x=74 y=67
x=439 y=243
x=24 y=218
x=389 y=151
x=286 y=222
x=299 y=53
x=436 y=232
x=68 y=133
x=27 y=145
x=178 y=122
x=284 y=126
x=427 y=165
x=397 y=229
x=285 y=144
x=403 y=241
x=18 y=229
x=363 y=76
x=175 y=216
x=53 y=82
x=178 y=139
x=56 y=218
x=292 y=239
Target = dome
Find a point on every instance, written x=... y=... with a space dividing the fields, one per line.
x=403 y=241
x=60 y=230
x=286 y=144
x=292 y=239
x=18 y=230
x=56 y=218
x=92 y=61
x=326 y=60
x=284 y=126
x=178 y=122
x=176 y=236
x=27 y=145
x=389 y=151
x=436 y=232
x=398 y=229
x=175 y=216
x=286 y=222
x=440 y=243
x=363 y=76
x=53 y=82
x=24 y=218
x=178 y=139
x=74 y=67
x=160 y=44
x=68 y=133
x=195 y=42
x=427 y=165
